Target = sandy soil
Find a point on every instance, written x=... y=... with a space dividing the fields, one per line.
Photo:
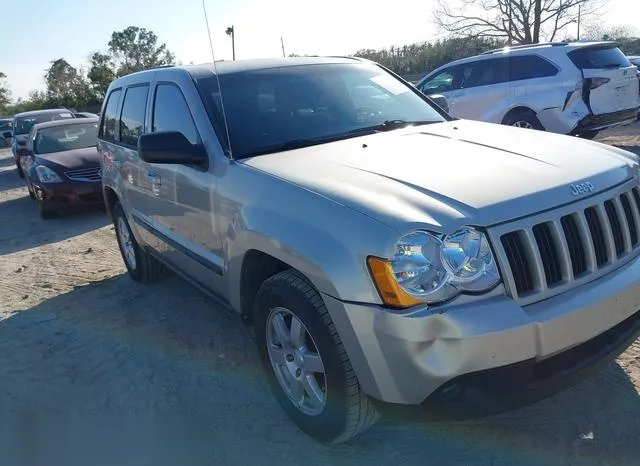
x=98 y=370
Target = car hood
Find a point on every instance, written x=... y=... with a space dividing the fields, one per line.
x=72 y=159
x=448 y=174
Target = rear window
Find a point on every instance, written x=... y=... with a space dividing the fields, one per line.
x=24 y=124
x=593 y=58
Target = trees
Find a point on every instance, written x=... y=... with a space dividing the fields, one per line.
x=66 y=87
x=515 y=21
x=5 y=95
x=135 y=49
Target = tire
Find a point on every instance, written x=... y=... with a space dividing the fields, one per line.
x=46 y=214
x=20 y=171
x=523 y=119
x=144 y=268
x=346 y=410
x=588 y=134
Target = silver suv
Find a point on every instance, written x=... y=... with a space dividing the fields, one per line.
x=386 y=255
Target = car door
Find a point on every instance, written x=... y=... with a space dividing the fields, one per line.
x=182 y=205
x=123 y=154
x=480 y=87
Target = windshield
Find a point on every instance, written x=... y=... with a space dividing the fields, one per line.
x=276 y=109
x=24 y=124
x=63 y=138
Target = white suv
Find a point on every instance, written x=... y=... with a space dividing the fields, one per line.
x=570 y=88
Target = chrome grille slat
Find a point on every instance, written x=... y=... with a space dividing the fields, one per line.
x=624 y=225
x=551 y=252
x=85 y=174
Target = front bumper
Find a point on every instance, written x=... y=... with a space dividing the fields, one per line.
x=421 y=357
x=57 y=196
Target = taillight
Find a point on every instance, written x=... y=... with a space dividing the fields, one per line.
x=595 y=83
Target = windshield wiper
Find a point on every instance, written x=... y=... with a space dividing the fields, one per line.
x=390 y=125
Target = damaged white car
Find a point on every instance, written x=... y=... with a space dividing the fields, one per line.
x=575 y=88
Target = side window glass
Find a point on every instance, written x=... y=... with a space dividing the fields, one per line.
x=530 y=67
x=108 y=126
x=485 y=73
x=171 y=112
x=442 y=82
x=132 y=117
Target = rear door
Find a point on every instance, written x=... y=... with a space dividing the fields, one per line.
x=480 y=87
x=610 y=78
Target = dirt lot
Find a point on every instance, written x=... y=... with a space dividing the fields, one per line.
x=98 y=370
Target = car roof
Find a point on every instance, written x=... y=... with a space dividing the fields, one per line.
x=66 y=122
x=40 y=112
x=240 y=66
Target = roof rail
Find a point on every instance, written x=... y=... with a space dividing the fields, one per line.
x=524 y=46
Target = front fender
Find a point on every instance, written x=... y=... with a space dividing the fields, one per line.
x=329 y=247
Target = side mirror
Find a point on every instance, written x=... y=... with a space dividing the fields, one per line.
x=7 y=134
x=170 y=147
x=440 y=101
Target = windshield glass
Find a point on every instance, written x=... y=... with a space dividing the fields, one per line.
x=63 y=138
x=24 y=124
x=276 y=109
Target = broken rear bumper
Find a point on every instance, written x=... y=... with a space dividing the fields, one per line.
x=607 y=120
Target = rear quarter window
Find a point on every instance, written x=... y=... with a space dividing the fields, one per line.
x=593 y=58
x=108 y=124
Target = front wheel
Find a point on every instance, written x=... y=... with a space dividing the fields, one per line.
x=142 y=267
x=306 y=364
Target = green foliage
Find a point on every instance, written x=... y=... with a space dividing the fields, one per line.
x=5 y=95
x=130 y=50
x=415 y=60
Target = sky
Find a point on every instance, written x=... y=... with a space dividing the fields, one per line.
x=35 y=32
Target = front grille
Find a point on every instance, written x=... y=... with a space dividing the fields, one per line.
x=85 y=174
x=552 y=252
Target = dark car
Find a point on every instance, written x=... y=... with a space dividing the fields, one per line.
x=6 y=125
x=62 y=170
x=22 y=124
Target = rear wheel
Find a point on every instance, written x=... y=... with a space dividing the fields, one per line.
x=142 y=267
x=307 y=366
x=523 y=119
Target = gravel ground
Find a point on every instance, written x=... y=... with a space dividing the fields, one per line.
x=99 y=370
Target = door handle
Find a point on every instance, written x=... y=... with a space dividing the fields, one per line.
x=154 y=178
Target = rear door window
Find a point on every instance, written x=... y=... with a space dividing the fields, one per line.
x=483 y=73
x=133 y=112
x=530 y=67
x=108 y=126
x=595 y=58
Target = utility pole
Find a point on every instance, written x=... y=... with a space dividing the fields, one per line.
x=282 y=44
x=231 y=32
x=579 y=18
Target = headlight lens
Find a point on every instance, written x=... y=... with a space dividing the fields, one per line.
x=434 y=269
x=46 y=175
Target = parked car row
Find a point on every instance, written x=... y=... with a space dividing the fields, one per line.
x=385 y=253
x=568 y=88
x=55 y=152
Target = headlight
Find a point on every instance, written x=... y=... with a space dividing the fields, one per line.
x=46 y=175
x=427 y=268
